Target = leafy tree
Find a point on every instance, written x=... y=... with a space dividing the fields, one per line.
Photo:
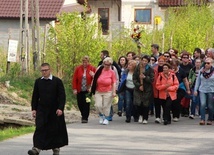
x=71 y=39
x=190 y=26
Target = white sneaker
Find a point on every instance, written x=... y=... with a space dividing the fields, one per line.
x=145 y=121
x=101 y=120
x=105 y=122
x=175 y=119
x=191 y=116
x=140 y=120
x=158 y=120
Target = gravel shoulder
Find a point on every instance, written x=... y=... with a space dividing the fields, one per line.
x=14 y=107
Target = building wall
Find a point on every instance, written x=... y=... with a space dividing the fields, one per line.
x=114 y=22
x=11 y=28
x=124 y=14
x=128 y=7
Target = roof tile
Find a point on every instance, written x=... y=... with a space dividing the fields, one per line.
x=47 y=8
x=167 y=3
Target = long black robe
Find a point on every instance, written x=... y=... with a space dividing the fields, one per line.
x=48 y=96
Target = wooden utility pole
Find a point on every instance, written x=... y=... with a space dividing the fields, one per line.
x=44 y=44
x=24 y=35
x=8 y=62
x=35 y=33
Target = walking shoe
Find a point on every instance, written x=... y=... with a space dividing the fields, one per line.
x=209 y=122
x=140 y=120
x=145 y=121
x=202 y=122
x=105 y=122
x=165 y=122
x=119 y=113
x=84 y=121
x=191 y=116
x=56 y=151
x=158 y=120
x=33 y=152
x=128 y=120
x=101 y=120
x=175 y=119
x=136 y=119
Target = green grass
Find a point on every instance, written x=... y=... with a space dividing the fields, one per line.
x=14 y=132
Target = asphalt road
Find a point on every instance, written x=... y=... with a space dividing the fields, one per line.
x=185 y=137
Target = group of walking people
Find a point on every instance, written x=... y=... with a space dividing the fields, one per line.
x=166 y=84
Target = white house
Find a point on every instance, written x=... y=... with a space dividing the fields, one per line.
x=115 y=14
x=150 y=14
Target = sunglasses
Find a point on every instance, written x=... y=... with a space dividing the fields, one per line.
x=107 y=64
x=166 y=56
x=152 y=59
x=207 y=63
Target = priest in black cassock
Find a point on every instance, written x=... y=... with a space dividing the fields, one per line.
x=48 y=102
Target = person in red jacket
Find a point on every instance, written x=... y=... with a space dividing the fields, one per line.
x=82 y=78
x=167 y=84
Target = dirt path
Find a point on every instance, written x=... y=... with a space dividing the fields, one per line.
x=12 y=106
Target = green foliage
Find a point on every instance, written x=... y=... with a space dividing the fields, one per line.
x=23 y=86
x=190 y=27
x=70 y=97
x=13 y=132
x=3 y=61
x=73 y=38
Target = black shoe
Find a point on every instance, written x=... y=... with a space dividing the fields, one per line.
x=151 y=113
x=165 y=122
x=56 y=151
x=84 y=121
x=128 y=120
x=119 y=113
x=33 y=152
x=136 y=119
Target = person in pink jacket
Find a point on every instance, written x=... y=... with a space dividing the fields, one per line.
x=167 y=85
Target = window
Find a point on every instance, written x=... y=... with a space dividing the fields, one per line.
x=143 y=16
x=104 y=19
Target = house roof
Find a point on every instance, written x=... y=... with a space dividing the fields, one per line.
x=48 y=9
x=166 y=3
x=75 y=7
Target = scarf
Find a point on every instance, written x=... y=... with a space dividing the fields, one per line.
x=207 y=75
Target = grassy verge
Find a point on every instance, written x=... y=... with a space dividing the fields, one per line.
x=14 y=132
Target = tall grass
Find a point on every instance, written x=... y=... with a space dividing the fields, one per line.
x=14 y=132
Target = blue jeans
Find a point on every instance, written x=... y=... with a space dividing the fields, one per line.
x=129 y=103
x=121 y=101
x=195 y=102
x=207 y=98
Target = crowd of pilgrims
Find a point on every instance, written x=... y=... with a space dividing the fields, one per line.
x=167 y=85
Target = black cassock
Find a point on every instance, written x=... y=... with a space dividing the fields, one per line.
x=48 y=96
